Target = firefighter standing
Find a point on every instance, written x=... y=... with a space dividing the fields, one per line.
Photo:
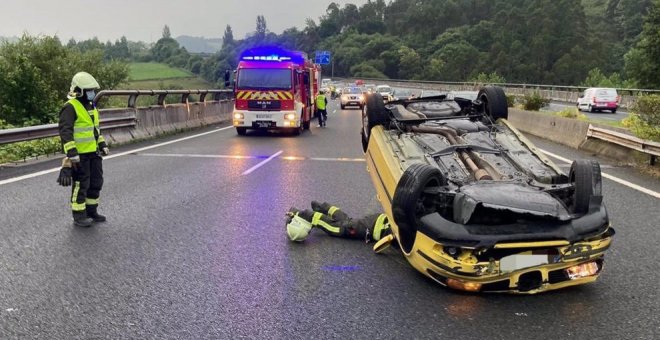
x=321 y=112
x=83 y=144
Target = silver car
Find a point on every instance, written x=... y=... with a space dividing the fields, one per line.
x=352 y=96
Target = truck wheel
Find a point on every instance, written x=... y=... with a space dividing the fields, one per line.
x=241 y=131
x=494 y=100
x=365 y=141
x=297 y=131
x=586 y=179
x=306 y=125
x=373 y=114
x=414 y=198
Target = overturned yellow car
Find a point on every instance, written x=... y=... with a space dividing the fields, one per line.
x=474 y=205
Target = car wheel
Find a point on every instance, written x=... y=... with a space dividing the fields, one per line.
x=590 y=109
x=375 y=114
x=241 y=131
x=614 y=111
x=343 y=107
x=495 y=104
x=586 y=179
x=414 y=198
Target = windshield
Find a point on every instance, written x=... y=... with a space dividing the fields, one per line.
x=384 y=89
x=404 y=92
x=606 y=93
x=352 y=90
x=430 y=93
x=257 y=78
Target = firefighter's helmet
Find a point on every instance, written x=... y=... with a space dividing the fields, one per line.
x=83 y=81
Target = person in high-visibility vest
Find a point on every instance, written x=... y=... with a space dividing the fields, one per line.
x=321 y=112
x=83 y=145
x=335 y=222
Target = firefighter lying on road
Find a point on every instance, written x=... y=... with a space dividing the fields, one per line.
x=335 y=222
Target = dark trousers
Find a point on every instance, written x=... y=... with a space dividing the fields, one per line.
x=322 y=115
x=87 y=182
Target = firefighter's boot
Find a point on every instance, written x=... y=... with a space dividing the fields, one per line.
x=94 y=215
x=80 y=219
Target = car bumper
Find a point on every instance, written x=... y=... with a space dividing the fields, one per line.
x=265 y=119
x=557 y=270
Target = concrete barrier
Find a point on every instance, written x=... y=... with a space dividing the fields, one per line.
x=573 y=133
x=566 y=131
x=158 y=120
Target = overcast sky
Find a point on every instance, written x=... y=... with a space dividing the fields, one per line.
x=144 y=19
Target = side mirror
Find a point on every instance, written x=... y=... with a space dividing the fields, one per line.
x=227 y=78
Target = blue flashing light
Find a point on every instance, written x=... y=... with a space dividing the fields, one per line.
x=271 y=54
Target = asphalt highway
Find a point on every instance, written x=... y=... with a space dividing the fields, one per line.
x=195 y=248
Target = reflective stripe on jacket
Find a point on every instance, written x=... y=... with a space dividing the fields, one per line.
x=83 y=128
x=320 y=102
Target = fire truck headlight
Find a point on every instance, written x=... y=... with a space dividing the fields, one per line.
x=290 y=116
x=238 y=115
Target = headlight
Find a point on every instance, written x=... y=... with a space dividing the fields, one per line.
x=238 y=115
x=582 y=270
x=464 y=285
x=290 y=116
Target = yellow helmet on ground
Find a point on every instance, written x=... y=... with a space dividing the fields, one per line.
x=83 y=81
x=297 y=228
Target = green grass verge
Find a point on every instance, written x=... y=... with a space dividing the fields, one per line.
x=144 y=71
x=168 y=84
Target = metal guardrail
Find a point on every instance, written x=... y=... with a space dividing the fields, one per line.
x=512 y=85
x=9 y=136
x=648 y=147
x=218 y=95
x=51 y=130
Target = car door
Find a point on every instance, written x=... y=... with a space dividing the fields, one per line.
x=584 y=101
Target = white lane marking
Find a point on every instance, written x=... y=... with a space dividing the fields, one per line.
x=610 y=177
x=195 y=155
x=338 y=159
x=50 y=171
x=252 y=169
x=285 y=158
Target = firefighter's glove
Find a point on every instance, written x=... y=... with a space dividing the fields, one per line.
x=105 y=151
x=297 y=228
x=65 y=178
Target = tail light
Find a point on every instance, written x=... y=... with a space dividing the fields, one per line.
x=618 y=99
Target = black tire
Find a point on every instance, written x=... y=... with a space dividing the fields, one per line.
x=495 y=104
x=306 y=124
x=613 y=111
x=343 y=107
x=412 y=200
x=590 y=109
x=373 y=114
x=241 y=131
x=587 y=181
x=365 y=141
x=297 y=131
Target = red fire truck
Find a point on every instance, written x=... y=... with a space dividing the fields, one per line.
x=274 y=89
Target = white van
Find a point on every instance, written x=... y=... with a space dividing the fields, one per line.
x=598 y=99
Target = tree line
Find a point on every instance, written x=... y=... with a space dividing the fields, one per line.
x=564 y=42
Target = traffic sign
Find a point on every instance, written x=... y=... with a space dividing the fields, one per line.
x=322 y=57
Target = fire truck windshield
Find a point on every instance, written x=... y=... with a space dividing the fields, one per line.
x=264 y=78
